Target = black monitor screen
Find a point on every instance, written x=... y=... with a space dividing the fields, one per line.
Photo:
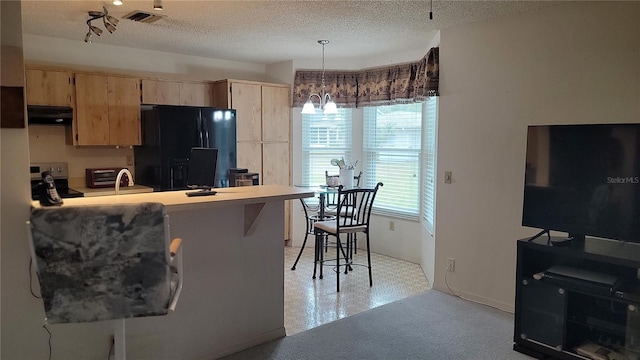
x=202 y=168
x=584 y=180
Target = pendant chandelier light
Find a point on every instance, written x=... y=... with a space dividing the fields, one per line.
x=327 y=106
x=109 y=22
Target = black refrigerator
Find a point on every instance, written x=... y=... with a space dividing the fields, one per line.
x=169 y=133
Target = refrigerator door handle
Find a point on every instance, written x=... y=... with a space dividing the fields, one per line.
x=205 y=131
x=199 y=126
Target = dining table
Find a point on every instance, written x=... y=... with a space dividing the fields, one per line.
x=321 y=191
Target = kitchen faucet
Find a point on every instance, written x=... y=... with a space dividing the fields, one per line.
x=119 y=177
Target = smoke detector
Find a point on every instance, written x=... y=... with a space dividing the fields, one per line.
x=143 y=16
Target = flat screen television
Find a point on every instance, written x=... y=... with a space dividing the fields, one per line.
x=584 y=180
x=202 y=168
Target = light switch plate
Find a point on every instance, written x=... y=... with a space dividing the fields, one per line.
x=447 y=177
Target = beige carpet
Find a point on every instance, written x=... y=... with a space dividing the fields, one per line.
x=431 y=325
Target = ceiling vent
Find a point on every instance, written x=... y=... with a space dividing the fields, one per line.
x=143 y=16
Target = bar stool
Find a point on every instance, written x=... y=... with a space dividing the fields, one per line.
x=312 y=215
x=357 y=204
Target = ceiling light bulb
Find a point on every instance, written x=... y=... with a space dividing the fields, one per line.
x=157 y=4
x=87 y=38
x=308 y=108
x=117 y=2
x=330 y=107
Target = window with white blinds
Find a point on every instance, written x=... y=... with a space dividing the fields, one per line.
x=429 y=163
x=324 y=137
x=392 y=145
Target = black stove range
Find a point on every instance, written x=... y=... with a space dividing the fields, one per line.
x=60 y=173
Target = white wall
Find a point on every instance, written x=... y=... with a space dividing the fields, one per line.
x=47 y=50
x=17 y=311
x=578 y=62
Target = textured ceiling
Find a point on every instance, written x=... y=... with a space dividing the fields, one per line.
x=267 y=32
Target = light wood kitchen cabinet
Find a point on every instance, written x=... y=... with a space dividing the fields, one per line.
x=159 y=92
x=166 y=92
x=124 y=110
x=195 y=94
x=49 y=87
x=263 y=128
x=107 y=110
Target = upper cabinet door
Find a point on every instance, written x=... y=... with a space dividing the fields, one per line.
x=92 y=110
x=49 y=87
x=195 y=94
x=275 y=113
x=124 y=110
x=160 y=92
x=164 y=92
x=246 y=99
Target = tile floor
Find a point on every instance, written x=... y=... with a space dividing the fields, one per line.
x=310 y=303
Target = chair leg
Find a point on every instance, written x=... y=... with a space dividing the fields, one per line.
x=315 y=255
x=321 y=255
x=369 y=259
x=338 y=247
x=306 y=235
x=355 y=243
x=349 y=255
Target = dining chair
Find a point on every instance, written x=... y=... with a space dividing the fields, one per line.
x=332 y=208
x=357 y=205
x=312 y=215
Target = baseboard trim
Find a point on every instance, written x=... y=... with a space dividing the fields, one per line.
x=231 y=349
x=475 y=298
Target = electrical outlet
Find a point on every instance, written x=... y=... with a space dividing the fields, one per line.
x=129 y=160
x=392 y=225
x=452 y=264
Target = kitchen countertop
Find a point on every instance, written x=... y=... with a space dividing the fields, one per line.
x=135 y=189
x=178 y=201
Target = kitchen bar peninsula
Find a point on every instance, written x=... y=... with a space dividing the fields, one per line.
x=233 y=292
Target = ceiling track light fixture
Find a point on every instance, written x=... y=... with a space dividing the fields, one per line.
x=109 y=22
x=157 y=4
x=327 y=106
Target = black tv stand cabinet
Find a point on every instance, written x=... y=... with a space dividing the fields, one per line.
x=577 y=299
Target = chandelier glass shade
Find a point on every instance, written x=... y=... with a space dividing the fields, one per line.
x=327 y=106
x=109 y=22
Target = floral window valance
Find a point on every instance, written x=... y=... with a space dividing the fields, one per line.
x=403 y=83
x=342 y=86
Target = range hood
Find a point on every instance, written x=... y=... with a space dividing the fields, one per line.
x=49 y=115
